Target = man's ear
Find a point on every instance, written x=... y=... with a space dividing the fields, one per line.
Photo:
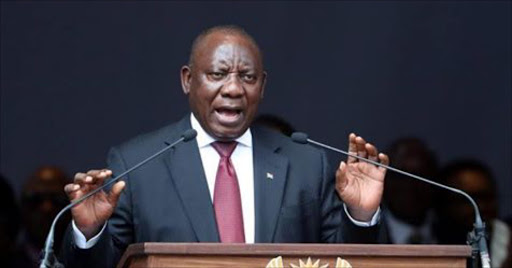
x=263 y=83
x=186 y=76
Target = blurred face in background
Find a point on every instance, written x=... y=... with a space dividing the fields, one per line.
x=42 y=198
x=410 y=200
x=478 y=186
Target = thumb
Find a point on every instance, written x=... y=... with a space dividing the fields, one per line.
x=341 y=178
x=115 y=192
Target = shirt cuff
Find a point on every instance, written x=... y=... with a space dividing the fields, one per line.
x=375 y=219
x=80 y=240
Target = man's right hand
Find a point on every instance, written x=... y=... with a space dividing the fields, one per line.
x=92 y=213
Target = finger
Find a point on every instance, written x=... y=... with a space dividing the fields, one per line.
x=103 y=173
x=361 y=150
x=82 y=178
x=384 y=159
x=71 y=188
x=372 y=152
x=98 y=176
x=115 y=192
x=74 y=191
x=352 y=147
x=99 y=172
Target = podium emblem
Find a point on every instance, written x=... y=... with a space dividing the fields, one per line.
x=277 y=262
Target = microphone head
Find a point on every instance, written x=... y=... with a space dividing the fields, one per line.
x=189 y=134
x=300 y=137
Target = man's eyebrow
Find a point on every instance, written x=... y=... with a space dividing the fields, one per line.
x=222 y=61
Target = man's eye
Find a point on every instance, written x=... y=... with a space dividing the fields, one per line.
x=216 y=75
x=249 y=77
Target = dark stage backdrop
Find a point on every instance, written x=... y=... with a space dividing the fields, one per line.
x=79 y=77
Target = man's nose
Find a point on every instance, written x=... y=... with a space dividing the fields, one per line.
x=233 y=87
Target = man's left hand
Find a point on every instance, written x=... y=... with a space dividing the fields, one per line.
x=359 y=184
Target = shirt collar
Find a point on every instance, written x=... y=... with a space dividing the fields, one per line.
x=204 y=139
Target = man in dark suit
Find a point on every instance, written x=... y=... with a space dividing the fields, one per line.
x=265 y=189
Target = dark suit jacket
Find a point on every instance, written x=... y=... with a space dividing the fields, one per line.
x=167 y=200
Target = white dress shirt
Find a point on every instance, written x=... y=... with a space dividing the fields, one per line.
x=242 y=159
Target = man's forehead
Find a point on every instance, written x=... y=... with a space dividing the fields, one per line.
x=220 y=41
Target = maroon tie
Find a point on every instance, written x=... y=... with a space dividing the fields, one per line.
x=226 y=197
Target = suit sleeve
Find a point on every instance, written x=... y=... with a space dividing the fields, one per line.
x=117 y=235
x=336 y=227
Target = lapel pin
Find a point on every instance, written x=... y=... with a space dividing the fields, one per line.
x=270 y=176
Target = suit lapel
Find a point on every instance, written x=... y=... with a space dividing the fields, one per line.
x=187 y=173
x=270 y=173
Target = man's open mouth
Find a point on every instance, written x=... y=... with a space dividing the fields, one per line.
x=228 y=115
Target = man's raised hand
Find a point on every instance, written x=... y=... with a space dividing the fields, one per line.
x=359 y=184
x=92 y=213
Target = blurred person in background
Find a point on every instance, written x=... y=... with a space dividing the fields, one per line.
x=455 y=213
x=9 y=226
x=41 y=199
x=408 y=203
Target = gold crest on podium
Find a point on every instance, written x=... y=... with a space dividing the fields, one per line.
x=278 y=263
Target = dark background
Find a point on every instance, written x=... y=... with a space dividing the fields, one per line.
x=79 y=77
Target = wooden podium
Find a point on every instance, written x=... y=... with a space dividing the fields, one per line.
x=185 y=255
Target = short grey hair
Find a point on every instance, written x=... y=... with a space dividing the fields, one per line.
x=226 y=29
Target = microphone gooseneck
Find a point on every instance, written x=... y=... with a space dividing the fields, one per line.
x=476 y=238
x=49 y=259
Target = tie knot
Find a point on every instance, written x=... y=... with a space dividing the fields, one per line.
x=225 y=149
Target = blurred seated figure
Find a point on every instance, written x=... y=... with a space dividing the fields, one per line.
x=41 y=199
x=9 y=226
x=456 y=216
x=408 y=203
x=275 y=122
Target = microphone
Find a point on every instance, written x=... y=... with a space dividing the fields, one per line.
x=49 y=259
x=476 y=238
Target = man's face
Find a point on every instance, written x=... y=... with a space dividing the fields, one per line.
x=224 y=84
